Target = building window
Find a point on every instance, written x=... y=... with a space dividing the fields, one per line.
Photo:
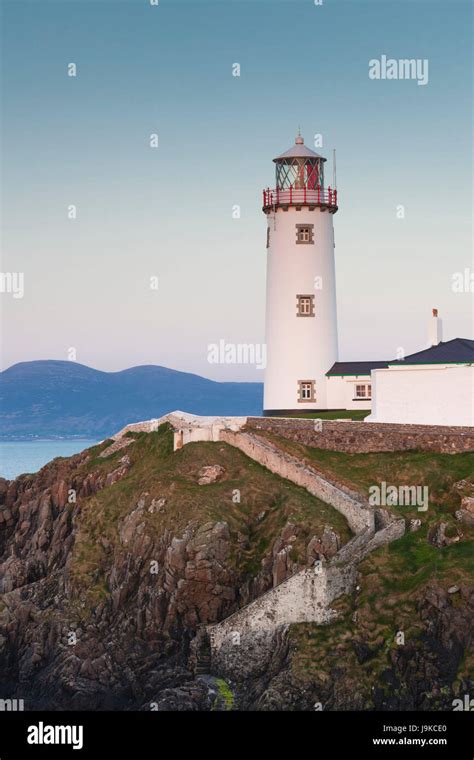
x=304 y=233
x=305 y=306
x=363 y=391
x=306 y=391
x=268 y=237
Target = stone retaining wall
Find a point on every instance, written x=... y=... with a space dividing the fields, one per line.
x=357 y=513
x=364 y=543
x=363 y=437
x=304 y=597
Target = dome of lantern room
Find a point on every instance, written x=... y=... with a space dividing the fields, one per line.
x=299 y=150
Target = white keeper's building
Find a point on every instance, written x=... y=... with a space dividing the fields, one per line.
x=434 y=386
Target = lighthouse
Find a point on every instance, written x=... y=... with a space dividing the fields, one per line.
x=301 y=320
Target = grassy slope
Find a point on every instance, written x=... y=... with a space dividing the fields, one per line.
x=173 y=476
x=394 y=577
x=360 y=471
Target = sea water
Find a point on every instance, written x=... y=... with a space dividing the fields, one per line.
x=18 y=457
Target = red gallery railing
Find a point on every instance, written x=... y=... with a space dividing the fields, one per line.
x=318 y=196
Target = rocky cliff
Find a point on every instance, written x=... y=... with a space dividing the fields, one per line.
x=112 y=561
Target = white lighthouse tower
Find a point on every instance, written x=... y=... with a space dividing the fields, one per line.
x=301 y=321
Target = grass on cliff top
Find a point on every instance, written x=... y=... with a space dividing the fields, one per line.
x=412 y=468
x=342 y=414
x=267 y=503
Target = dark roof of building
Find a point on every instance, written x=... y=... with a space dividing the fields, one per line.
x=355 y=368
x=456 y=351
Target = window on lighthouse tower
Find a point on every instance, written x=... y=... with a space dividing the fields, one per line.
x=304 y=233
x=305 y=306
x=306 y=391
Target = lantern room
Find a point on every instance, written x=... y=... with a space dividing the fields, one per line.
x=299 y=168
x=300 y=181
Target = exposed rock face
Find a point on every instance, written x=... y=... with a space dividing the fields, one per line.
x=415 y=678
x=201 y=586
x=122 y=443
x=119 y=472
x=464 y=516
x=323 y=548
x=210 y=474
x=128 y=646
x=439 y=538
x=464 y=487
x=466 y=513
x=467 y=503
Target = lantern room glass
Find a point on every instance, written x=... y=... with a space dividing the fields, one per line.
x=299 y=173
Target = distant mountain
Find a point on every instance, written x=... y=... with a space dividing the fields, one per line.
x=62 y=398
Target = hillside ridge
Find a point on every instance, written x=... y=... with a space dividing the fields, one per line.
x=49 y=398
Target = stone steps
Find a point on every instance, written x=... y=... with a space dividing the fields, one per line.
x=203 y=657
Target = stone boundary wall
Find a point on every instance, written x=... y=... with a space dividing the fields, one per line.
x=304 y=597
x=188 y=428
x=334 y=435
x=307 y=595
x=357 y=513
x=364 y=543
x=364 y=437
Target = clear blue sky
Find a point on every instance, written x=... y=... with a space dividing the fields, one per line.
x=167 y=212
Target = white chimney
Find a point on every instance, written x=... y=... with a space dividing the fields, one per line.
x=435 y=329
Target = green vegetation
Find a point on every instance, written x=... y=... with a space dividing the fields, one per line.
x=341 y=414
x=392 y=582
x=393 y=579
x=267 y=503
x=225 y=695
x=360 y=471
x=317 y=649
